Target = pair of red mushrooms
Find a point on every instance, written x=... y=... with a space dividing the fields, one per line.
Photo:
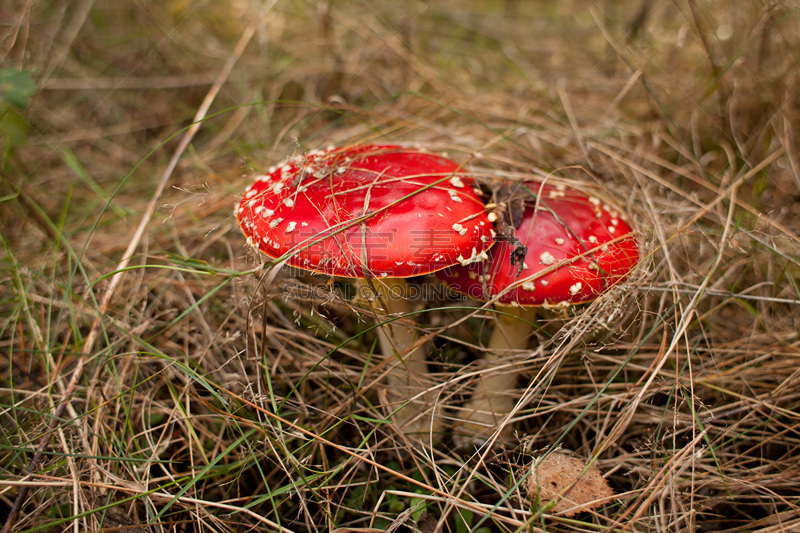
x=381 y=214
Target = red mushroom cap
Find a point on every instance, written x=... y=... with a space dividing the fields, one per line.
x=577 y=247
x=382 y=210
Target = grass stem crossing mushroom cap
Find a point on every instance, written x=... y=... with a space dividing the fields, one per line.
x=380 y=210
x=577 y=247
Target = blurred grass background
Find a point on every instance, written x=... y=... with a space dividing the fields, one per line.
x=206 y=400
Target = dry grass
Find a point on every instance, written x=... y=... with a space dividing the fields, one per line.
x=214 y=396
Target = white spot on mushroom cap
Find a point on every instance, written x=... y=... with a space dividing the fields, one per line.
x=492 y=217
x=576 y=288
x=454 y=195
x=528 y=286
x=475 y=257
x=250 y=193
x=560 y=241
x=274 y=223
x=288 y=202
x=458 y=228
x=547 y=258
x=455 y=181
x=290 y=226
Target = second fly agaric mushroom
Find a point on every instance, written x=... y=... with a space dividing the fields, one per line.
x=380 y=214
x=577 y=247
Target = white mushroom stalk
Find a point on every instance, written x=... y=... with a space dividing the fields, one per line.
x=408 y=382
x=493 y=398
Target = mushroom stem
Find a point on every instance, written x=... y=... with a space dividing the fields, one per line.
x=407 y=377
x=493 y=400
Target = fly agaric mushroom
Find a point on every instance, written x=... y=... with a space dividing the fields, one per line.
x=375 y=213
x=569 y=248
